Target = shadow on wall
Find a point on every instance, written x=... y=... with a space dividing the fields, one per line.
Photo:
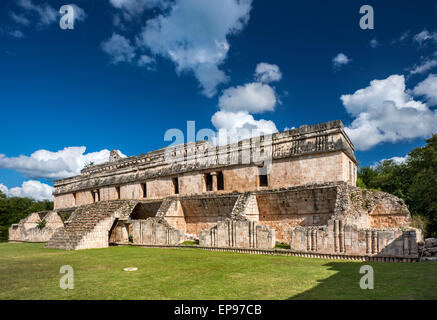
x=391 y=281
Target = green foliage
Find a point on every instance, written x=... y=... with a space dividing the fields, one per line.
x=415 y=181
x=42 y=224
x=282 y=245
x=12 y=210
x=190 y=243
x=89 y=164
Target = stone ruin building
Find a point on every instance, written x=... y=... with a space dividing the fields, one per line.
x=297 y=187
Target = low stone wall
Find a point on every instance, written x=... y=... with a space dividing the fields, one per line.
x=338 y=237
x=155 y=231
x=239 y=233
x=27 y=229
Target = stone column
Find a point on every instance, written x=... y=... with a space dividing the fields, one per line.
x=214 y=181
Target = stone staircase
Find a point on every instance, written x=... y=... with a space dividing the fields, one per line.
x=240 y=204
x=83 y=221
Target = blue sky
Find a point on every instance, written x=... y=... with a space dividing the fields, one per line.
x=132 y=69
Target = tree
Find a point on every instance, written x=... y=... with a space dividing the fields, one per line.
x=415 y=181
x=12 y=210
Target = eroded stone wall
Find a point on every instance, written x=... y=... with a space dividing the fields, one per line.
x=310 y=154
x=238 y=232
x=282 y=210
x=340 y=238
x=27 y=229
x=155 y=231
x=202 y=212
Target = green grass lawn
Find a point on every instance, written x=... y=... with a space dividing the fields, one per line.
x=28 y=271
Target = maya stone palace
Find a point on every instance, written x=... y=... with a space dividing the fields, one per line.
x=296 y=186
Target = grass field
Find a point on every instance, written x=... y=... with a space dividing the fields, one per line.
x=28 y=271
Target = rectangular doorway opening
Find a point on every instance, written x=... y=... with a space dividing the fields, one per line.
x=175 y=185
x=208 y=181
x=220 y=181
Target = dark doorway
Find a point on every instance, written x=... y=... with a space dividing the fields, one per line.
x=208 y=181
x=175 y=185
x=144 y=190
x=263 y=180
x=220 y=181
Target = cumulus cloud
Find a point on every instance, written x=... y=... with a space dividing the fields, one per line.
x=147 y=62
x=266 y=72
x=424 y=67
x=252 y=97
x=29 y=189
x=234 y=121
x=234 y=126
x=422 y=37
x=45 y=13
x=194 y=35
x=119 y=49
x=340 y=60
x=428 y=89
x=396 y=160
x=44 y=164
x=385 y=112
x=133 y=8
x=79 y=13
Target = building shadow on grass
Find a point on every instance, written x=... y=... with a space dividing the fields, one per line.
x=344 y=284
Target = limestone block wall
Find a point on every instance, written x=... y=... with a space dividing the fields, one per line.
x=203 y=212
x=370 y=209
x=64 y=201
x=155 y=231
x=98 y=237
x=119 y=232
x=282 y=210
x=241 y=178
x=160 y=187
x=246 y=206
x=340 y=238
x=191 y=183
x=83 y=197
x=27 y=229
x=238 y=233
x=174 y=214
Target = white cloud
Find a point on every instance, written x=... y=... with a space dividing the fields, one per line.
x=252 y=97
x=19 y=18
x=424 y=67
x=235 y=126
x=396 y=160
x=146 y=61
x=29 y=189
x=16 y=34
x=79 y=13
x=132 y=8
x=44 y=164
x=266 y=72
x=234 y=121
x=46 y=14
x=4 y=189
x=385 y=112
x=194 y=35
x=340 y=60
x=428 y=88
x=118 y=48
x=424 y=36
x=374 y=43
